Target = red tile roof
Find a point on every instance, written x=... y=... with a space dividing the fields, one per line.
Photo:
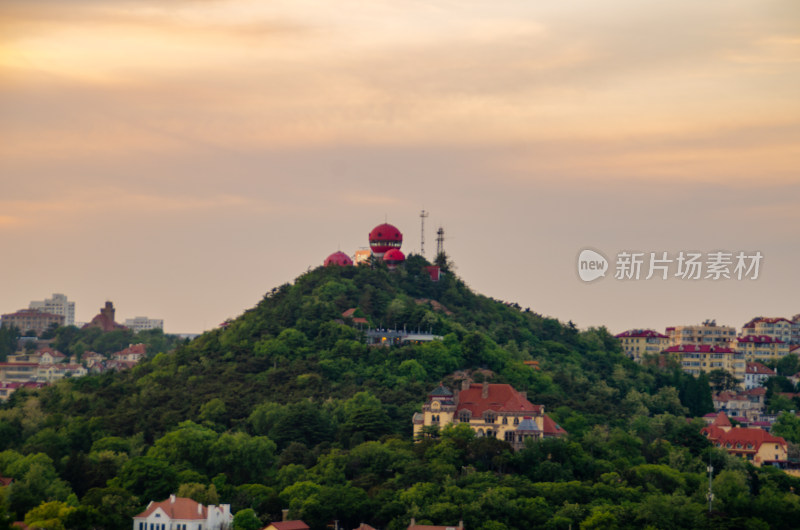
x=430 y=527
x=757 y=368
x=753 y=436
x=51 y=351
x=500 y=398
x=646 y=333
x=5 y=481
x=694 y=348
x=177 y=508
x=289 y=525
x=139 y=349
x=727 y=395
x=551 y=428
x=756 y=320
x=721 y=420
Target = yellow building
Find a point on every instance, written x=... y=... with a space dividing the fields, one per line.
x=776 y=328
x=702 y=359
x=708 y=333
x=637 y=343
x=495 y=410
x=760 y=348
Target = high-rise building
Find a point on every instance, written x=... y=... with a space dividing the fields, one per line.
x=57 y=305
x=143 y=323
x=706 y=334
x=777 y=328
x=760 y=348
x=699 y=359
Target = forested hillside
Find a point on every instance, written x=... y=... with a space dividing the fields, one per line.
x=287 y=407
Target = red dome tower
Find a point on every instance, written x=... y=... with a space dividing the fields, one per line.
x=384 y=238
x=338 y=258
x=393 y=258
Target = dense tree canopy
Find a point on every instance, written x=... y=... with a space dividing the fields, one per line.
x=287 y=407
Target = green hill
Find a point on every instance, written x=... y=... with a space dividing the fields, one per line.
x=286 y=406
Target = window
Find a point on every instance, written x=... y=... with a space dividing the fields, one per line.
x=463 y=416
x=516 y=421
x=505 y=420
x=509 y=436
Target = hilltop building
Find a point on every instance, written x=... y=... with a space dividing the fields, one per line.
x=57 y=305
x=32 y=320
x=393 y=258
x=338 y=258
x=105 y=319
x=494 y=410
x=362 y=256
x=384 y=238
x=184 y=514
x=395 y=337
x=639 y=342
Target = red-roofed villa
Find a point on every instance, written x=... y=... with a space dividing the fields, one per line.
x=754 y=445
x=496 y=410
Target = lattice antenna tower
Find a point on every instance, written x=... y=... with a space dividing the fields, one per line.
x=440 y=241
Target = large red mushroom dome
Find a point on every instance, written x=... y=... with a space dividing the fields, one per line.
x=338 y=258
x=394 y=257
x=385 y=237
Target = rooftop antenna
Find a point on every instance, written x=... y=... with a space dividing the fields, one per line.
x=422 y=215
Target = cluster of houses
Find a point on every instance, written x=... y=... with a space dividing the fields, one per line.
x=707 y=347
x=180 y=513
x=46 y=365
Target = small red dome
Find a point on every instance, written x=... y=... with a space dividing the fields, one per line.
x=394 y=256
x=338 y=258
x=385 y=237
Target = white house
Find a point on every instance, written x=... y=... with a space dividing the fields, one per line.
x=179 y=513
x=756 y=374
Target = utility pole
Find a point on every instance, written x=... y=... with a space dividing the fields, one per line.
x=710 y=494
x=423 y=214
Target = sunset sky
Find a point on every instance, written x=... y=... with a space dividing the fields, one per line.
x=182 y=158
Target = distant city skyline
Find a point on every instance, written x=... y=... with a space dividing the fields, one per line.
x=183 y=159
